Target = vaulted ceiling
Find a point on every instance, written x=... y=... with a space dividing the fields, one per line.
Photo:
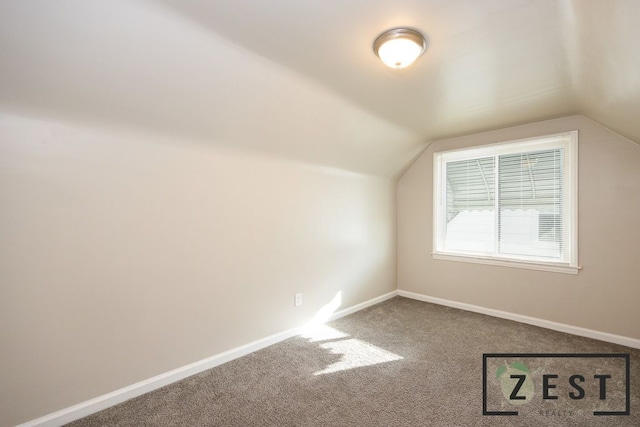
x=299 y=78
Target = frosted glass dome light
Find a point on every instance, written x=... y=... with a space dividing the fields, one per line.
x=399 y=47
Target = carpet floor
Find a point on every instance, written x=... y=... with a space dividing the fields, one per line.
x=400 y=363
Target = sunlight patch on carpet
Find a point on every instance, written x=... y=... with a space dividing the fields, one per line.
x=322 y=333
x=355 y=354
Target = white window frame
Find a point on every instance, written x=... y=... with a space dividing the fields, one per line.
x=568 y=141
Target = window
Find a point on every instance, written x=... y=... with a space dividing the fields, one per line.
x=509 y=204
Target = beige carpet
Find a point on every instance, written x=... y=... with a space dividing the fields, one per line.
x=399 y=363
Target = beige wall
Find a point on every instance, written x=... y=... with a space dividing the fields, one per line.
x=125 y=255
x=604 y=296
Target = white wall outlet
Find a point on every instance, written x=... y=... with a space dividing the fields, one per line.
x=298 y=300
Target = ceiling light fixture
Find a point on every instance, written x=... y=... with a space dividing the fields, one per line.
x=399 y=47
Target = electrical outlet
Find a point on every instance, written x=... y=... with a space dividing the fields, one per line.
x=298 y=300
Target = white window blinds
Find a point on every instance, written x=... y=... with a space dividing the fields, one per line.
x=513 y=201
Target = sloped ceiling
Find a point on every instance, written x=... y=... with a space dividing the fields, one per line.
x=299 y=78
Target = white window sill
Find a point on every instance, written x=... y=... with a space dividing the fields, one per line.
x=530 y=265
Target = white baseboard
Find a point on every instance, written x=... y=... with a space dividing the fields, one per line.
x=99 y=403
x=105 y=401
x=574 y=330
x=362 y=306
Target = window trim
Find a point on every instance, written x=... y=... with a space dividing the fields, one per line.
x=513 y=146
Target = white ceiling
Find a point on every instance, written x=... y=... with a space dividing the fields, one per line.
x=299 y=78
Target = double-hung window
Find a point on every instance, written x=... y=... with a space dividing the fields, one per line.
x=509 y=204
